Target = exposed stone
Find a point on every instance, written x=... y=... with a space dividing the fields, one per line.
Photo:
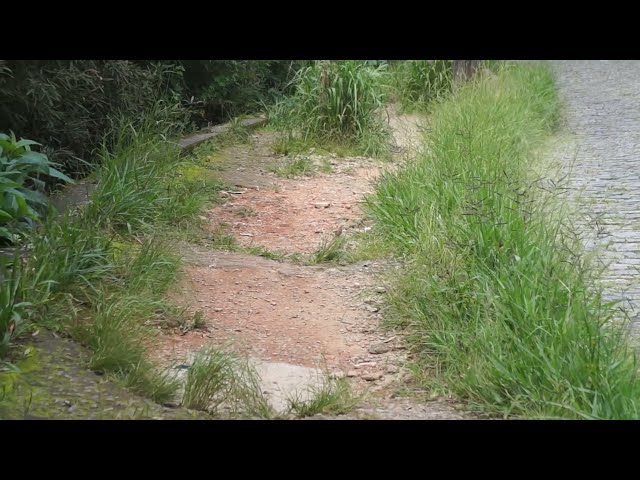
x=380 y=348
x=372 y=377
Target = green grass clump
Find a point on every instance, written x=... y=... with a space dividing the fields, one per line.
x=417 y=83
x=336 y=102
x=299 y=166
x=218 y=378
x=330 y=250
x=497 y=293
x=332 y=397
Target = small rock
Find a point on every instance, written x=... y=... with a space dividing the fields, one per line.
x=380 y=289
x=322 y=204
x=223 y=194
x=352 y=373
x=379 y=348
x=392 y=369
x=217 y=309
x=372 y=377
x=365 y=364
x=372 y=308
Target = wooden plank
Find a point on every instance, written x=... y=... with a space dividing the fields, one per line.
x=189 y=142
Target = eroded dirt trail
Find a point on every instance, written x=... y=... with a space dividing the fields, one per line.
x=292 y=318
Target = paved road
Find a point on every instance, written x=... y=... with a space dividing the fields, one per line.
x=602 y=109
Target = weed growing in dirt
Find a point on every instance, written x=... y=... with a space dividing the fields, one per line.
x=221 y=240
x=244 y=212
x=294 y=167
x=325 y=166
x=199 y=322
x=328 y=251
x=498 y=293
x=217 y=378
x=285 y=145
x=332 y=397
x=146 y=379
x=265 y=253
x=208 y=380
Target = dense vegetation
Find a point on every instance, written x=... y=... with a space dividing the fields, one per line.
x=71 y=106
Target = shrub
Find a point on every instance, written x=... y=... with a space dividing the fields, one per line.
x=21 y=187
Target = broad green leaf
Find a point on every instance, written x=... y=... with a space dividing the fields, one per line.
x=5 y=215
x=24 y=143
x=59 y=175
x=35 y=197
x=4 y=233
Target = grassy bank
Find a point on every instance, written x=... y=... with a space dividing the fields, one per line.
x=498 y=296
x=100 y=273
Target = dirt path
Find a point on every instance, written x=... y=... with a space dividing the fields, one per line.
x=292 y=318
x=602 y=105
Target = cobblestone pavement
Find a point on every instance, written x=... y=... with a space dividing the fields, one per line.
x=602 y=113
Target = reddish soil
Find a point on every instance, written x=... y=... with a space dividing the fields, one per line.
x=300 y=215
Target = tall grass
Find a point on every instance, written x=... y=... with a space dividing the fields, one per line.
x=417 y=83
x=336 y=101
x=218 y=379
x=331 y=397
x=130 y=193
x=14 y=306
x=100 y=273
x=500 y=300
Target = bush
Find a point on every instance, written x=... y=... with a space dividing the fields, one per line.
x=68 y=105
x=225 y=88
x=21 y=187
